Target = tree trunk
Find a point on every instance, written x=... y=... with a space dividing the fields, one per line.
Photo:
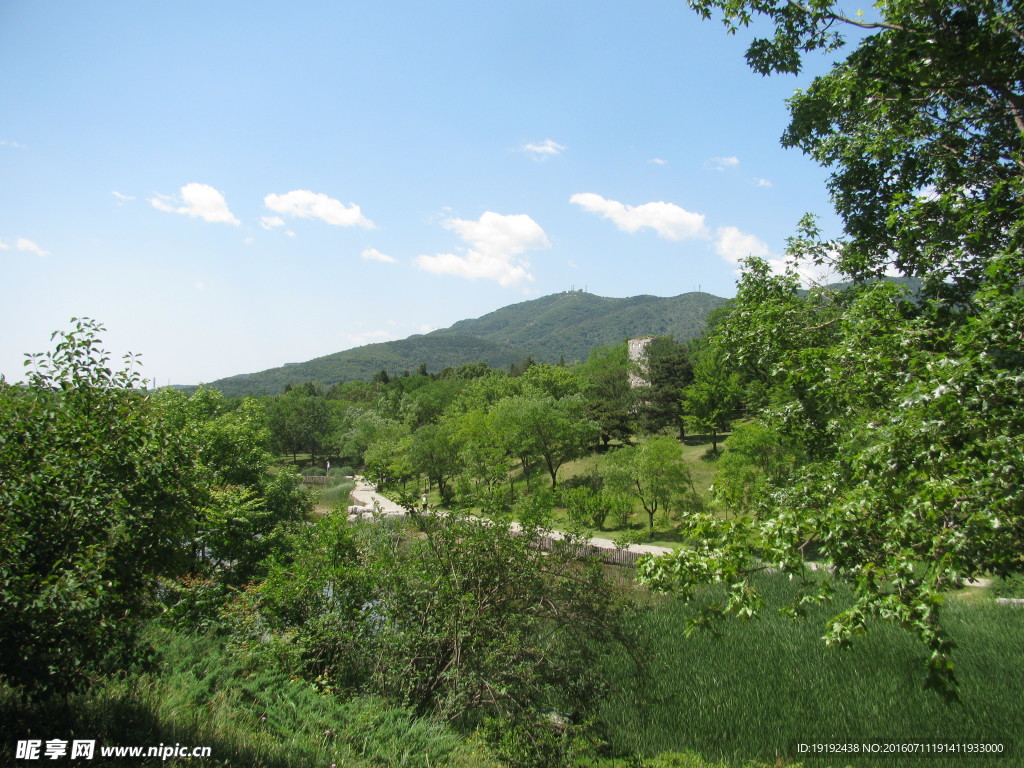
x=553 y=471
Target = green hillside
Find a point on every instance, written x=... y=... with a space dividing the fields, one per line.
x=562 y=325
x=438 y=350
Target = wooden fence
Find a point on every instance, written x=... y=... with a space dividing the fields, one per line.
x=616 y=556
x=316 y=479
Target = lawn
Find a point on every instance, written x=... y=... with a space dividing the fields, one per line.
x=756 y=689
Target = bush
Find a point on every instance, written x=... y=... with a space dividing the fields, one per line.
x=193 y=603
x=1009 y=586
x=583 y=506
x=467 y=623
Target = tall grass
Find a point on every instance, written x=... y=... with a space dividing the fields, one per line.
x=757 y=689
x=255 y=718
x=337 y=493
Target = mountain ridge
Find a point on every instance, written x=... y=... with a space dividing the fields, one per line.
x=550 y=328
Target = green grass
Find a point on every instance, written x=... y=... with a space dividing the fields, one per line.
x=753 y=690
x=337 y=494
x=701 y=463
x=201 y=696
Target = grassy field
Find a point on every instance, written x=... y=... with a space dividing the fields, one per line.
x=757 y=689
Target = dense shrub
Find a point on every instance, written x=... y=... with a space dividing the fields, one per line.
x=467 y=622
x=96 y=495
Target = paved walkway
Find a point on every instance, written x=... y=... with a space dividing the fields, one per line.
x=365 y=495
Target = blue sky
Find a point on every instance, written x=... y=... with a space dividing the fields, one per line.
x=233 y=186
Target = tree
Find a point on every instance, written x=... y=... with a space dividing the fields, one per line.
x=483 y=457
x=709 y=404
x=552 y=380
x=97 y=494
x=922 y=126
x=755 y=459
x=426 y=404
x=299 y=420
x=653 y=472
x=230 y=439
x=433 y=452
x=282 y=419
x=610 y=398
x=359 y=428
x=667 y=370
x=513 y=436
x=906 y=451
x=244 y=509
x=589 y=507
x=555 y=430
x=388 y=461
x=905 y=413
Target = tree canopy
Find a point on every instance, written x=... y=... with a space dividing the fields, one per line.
x=96 y=495
x=922 y=126
x=901 y=414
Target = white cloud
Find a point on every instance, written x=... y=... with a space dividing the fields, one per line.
x=496 y=244
x=269 y=222
x=667 y=219
x=658 y=161
x=200 y=285
x=122 y=198
x=162 y=203
x=722 y=163
x=543 y=149
x=199 y=201
x=733 y=245
x=303 y=204
x=12 y=144
x=24 y=244
x=757 y=181
x=374 y=255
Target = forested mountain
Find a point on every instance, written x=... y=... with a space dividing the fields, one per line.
x=562 y=325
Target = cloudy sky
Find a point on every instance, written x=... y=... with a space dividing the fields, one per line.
x=232 y=186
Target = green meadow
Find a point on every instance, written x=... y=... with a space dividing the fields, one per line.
x=756 y=689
